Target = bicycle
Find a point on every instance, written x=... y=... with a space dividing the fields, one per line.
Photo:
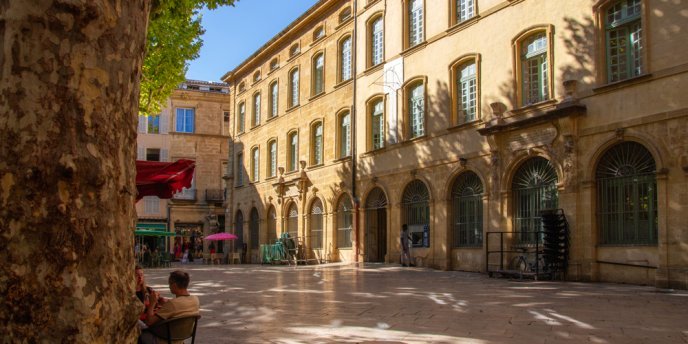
x=523 y=264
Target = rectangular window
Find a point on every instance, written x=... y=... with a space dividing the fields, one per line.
x=273 y=159
x=345 y=136
x=242 y=116
x=240 y=170
x=417 y=110
x=151 y=205
x=468 y=88
x=535 y=82
x=319 y=71
x=293 y=152
x=378 y=126
x=346 y=60
x=464 y=10
x=154 y=124
x=415 y=22
x=274 y=94
x=624 y=40
x=153 y=154
x=378 y=43
x=256 y=109
x=185 y=120
x=294 y=88
x=256 y=165
x=318 y=145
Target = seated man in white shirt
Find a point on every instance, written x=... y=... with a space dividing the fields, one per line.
x=181 y=306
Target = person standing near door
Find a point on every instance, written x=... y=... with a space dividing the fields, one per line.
x=405 y=239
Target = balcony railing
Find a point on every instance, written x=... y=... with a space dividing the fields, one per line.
x=186 y=194
x=214 y=195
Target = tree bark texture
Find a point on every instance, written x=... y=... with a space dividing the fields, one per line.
x=69 y=92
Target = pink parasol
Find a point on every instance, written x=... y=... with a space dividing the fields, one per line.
x=221 y=236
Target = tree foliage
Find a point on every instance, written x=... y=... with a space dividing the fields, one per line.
x=174 y=38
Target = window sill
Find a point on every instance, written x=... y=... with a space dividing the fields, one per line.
x=370 y=4
x=456 y=27
x=343 y=83
x=294 y=107
x=346 y=21
x=374 y=152
x=316 y=96
x=414 y=49
x=255 y=126
x=466 y=125
x=374 y=68
x=318 y=40
x=291 y=172
x=534 y=107
x=623 y=83
x=270 y=178
x=270 y=119
x=342 y=159
x=293 y=57
x=316 y=167
x=273 y=70
x=241 y=134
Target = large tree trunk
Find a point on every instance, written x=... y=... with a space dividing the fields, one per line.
x=69 y=75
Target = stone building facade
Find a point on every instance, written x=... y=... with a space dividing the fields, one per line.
x=466 y=118
x=194 y=125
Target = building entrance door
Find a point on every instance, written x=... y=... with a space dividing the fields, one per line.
x=376 y=227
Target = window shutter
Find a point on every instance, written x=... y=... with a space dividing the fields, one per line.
x=164 y=155
x=142 y=124
x=164 y=121
x=141 y=153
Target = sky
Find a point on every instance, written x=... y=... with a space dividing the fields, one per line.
x=232 y=34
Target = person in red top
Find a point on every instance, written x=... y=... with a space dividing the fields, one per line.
x=144 y=294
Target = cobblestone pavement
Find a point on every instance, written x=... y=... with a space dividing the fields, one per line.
x=376 y=303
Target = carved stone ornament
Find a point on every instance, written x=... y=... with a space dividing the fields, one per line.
x=570 y=90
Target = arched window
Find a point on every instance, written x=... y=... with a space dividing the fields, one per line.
x=318 y=33
x=294 y=88
x=241 y=119
x=317 y=143
x=534 y=188
x=623 y=25
x=256 y=110
x=344 y=15
x=345 y=59
x=627 y=196
x=416 y=212
x=344 y=134
x=463 y=10
x=240 y=169
x=318 y=74
x=415 y=108
x=376 y=41
x=316 y=225
x=242 y=87
x=467 y=209
x=466 y=94
x=294 y=50
x=255 y=164
x=293 y=153
x=415 y=22
x=274 y=99
x=272 y=159
x=293 y=221
x=239 y=231
x=256 y=76
x=274 y=64
x=377 y=123
x=254 y=229
x=345 y=220
x=535 y=66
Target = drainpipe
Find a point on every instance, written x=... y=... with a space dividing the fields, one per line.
x=353 y=133
x=229 y=221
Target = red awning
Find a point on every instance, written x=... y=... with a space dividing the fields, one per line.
x=163 y=179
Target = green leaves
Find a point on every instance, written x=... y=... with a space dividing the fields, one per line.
x=174 y=38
